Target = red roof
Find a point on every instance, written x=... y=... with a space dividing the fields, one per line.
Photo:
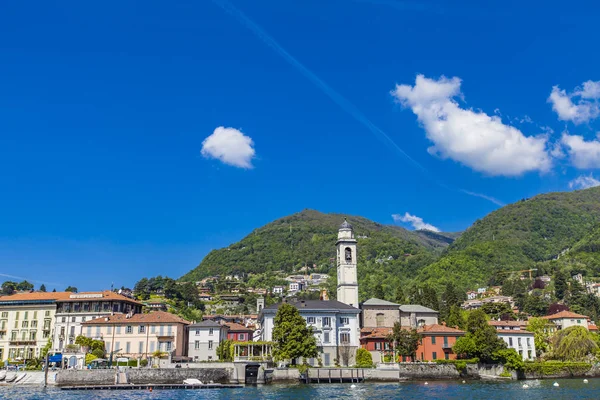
x=436 y=328
x=565 y=314
x=234 y=327
x=156 y=317
x=508 y=323
x=375 y=333
x=592 y=327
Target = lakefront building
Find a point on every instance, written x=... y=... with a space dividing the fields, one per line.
x=77 y=308
x=204 y=338
x=335 y=323
x=138 y=336
x=516 y=337
x=26 y=323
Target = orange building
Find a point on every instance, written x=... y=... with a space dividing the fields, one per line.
x=436 y=342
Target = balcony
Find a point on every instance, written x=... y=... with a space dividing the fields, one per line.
x=447 y=346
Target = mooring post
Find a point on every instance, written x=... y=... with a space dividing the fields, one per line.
x=46 y=372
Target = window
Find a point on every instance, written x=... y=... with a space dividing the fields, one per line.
x=17 y=315
x=528 y=341
x=380 y=320
x=72 y=331
x=35 y=315
x=151 y=347
x=73 y=319
x=325 y=337
x=210 y=344
x=118 y=330
x=344 y=321
x=16 y=324
x=510 y=343
x=447 y=356
x=210 y=331
x=310 y=320
x=129 y=329
x=326 y=321
x=445 y=341
x=142 y=329
x=241 y=337
x=89 y=331
x=109 y=330
x=64 y=319
x=128 y=347
x=377 y=345
x=197 y=332
x=13 y=335
x=434 y=355
x=25 y=324
x=326 y=359
x=529 y=354
x=197 y=344
x=46 y=334
x=153 y=329
x=344 y=338
x=168 y=345
x=34 y=324
x=433 y=340
x=141 y=347
x=97 y=331
x=578 y=321
x=387 y=345
x=4 y=314
x=421 y=322
x=82 y=319
x=26 y=315
x=47 y=314
x=32 y=335
x=519 y=341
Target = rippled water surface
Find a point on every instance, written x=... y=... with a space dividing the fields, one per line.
x=569 y=389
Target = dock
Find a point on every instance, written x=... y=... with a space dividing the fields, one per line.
x=333 y=375
x=148 y=387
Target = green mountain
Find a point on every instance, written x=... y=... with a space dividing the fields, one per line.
x=546 y=232
x=309 y=237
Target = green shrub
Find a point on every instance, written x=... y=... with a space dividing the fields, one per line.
x=363 y=358
x=506 y=374
x=556 y=367
x=461 y=364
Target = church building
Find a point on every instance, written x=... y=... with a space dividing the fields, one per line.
x=335 y=323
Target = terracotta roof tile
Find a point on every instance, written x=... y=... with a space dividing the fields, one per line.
x=565 y=314
x=375 y=333
x=508 y=323
x=106 y=295
x=234 y=327
x=155 y=317
x=436 y=328
x=36 y=296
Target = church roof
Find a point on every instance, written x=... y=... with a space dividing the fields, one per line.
x=378 y=302
x=345 y=225
x=416 y=308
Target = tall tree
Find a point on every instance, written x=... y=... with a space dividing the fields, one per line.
x=72 y=289
x=405 y=341
x=378 y=292
x=541 y=329
x=25 y=286
x=561 y=285
x=481 y=338
x=456 y=318
x=9 y=288
x=42 y=288
x=292 y=338
x=400 y=299
x=430 y=298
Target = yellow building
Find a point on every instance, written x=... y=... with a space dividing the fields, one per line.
x=27 y=323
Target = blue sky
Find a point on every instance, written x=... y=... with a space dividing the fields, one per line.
x=137 y=136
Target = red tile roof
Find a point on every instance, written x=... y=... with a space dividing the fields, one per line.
x=36 y=296
x=233 y=327
x=565 y=314
x=436 y=328
x=106 y=295
x=508 y=323
x=592 y=327
x=156 y=317
x=375 y=333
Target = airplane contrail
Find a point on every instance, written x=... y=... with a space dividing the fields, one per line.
x=337 y=98
x=30 y=280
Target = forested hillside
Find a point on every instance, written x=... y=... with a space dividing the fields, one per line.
x=309 y=237
x=528 y=234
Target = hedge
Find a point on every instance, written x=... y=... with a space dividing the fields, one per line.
x=556 y=367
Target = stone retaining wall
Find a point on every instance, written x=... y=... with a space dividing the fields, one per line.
x=142 y=376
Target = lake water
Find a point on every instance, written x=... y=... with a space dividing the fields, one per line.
x=511 y=390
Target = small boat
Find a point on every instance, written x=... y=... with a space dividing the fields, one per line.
x=192 y=381
x=20 y=378
x=10 y=377
x=2 y=375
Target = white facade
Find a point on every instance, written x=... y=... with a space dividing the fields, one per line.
x=347 y=285
x=203 y=340
x=334 y=325
x=521 y=341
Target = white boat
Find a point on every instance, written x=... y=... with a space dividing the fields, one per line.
x=10 y=377
x=20 y=378
x=192 y=381
x=2 y=375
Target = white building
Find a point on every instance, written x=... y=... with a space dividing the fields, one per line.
x=516 y=337
x=347 y=283
x=335 y=326
x=566 y=319
x=204 y=338
x=295 y=287
x=277 y=289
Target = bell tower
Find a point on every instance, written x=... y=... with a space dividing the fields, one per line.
x=347 y=283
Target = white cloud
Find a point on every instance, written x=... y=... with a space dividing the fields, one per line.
x=229 y=146
x=584 y=182
x=473 y=138
x=416 y=222
x=583 y=154
x=580 y=106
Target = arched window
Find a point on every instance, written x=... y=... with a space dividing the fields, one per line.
x=379 y=318
x=348 y=255
x=421 y=323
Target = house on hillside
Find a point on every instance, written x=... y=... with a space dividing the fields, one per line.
x=566 y=319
